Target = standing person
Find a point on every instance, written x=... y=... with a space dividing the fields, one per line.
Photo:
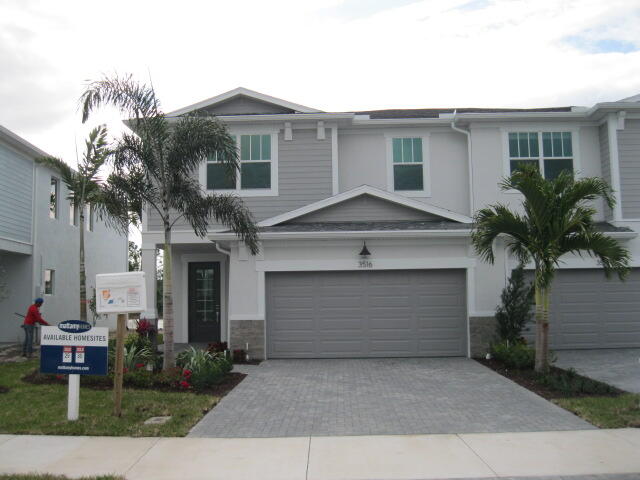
x=33 y=317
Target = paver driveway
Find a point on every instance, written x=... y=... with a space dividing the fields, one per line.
x=617 y=367
x=379 y=396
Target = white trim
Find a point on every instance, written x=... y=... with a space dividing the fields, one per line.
x=366 y=190
x=247 y=93
x=539 y=129
x=378 y=264
x=426 y=163
x=614 y=164
x=349 y=234
x=255 y=192
x=335 y=165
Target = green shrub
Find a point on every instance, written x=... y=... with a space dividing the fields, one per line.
x=514 y=355
x=202 y=369
x=138 y=341
x=568 y=382
x=514 y=312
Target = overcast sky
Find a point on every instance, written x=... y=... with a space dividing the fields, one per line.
x=328 y=54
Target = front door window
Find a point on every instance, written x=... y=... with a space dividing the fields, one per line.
x=204 y=302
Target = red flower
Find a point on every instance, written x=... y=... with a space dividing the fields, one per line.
x=184 y=384
x=186 y=373
x=125 y=370
x=139 y=365
x=60 y=377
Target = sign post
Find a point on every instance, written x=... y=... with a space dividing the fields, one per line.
x=120 y=293
x=74 y=348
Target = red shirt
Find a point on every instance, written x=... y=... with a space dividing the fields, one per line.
x=33 y=316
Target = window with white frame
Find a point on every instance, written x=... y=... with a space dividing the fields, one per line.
x=408 y=164
x=255 y=161
x=550 y=152
x=49 y=281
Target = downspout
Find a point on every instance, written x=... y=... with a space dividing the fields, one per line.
x=222 y=250
x=470 y=162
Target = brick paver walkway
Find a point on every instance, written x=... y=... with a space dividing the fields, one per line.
x=379 y=396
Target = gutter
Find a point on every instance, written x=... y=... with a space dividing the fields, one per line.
x=470 y=161
x=350 y=234
x=222 y=250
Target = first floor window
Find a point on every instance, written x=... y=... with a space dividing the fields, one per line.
x=255 y=166
x=408 y=164
x=53 y=198
x=49 y=281
x=550 y=152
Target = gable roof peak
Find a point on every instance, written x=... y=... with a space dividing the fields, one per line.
x=242 y=91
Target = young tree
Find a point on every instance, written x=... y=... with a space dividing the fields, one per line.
x=87 y=191
x=156 y=166
x=134 y=257
x=557 y=219
x=514 y=311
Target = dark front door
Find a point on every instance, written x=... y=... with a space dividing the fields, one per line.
x=204 y=302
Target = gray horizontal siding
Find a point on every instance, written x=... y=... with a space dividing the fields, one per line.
x=367 y=209
x=304 y=177
x=16 y=194
x=603 y=135
x=244 y=105
x=629 y=154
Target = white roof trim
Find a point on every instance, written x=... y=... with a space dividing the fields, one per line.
x=366 y=190
x=348 y=234
x=248 y=93
x=20 y=143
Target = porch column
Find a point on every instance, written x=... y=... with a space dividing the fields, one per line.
x=149 y=268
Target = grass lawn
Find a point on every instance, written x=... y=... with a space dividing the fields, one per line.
x=37 y=476
x=42 y=409
x=605 y=412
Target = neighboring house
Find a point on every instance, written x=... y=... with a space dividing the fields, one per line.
x=407 y=183
x=39 y=240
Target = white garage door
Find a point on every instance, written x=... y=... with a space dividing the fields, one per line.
x=394 y=313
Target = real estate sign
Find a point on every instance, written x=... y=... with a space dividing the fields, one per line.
x=121 y=292
x=74 y=347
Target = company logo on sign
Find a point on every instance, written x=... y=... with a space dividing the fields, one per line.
x=74 y=326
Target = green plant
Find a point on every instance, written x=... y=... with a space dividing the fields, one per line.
x=557 y=219
x=569 y=383
x=514 y=311
x=155 y=165
x=514 y=355
x=201 y=368
x=138 y=341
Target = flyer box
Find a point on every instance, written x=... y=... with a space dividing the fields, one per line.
x=121 y=292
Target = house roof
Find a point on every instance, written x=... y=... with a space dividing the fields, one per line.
x=436 y=112
x=21 y=144
x=366 y=190
x=241 y=91
x=377 y=226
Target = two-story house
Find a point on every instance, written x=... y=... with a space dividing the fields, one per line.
x=39 y=240
x=365 y=221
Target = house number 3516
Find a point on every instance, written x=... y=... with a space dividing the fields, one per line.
x=365 y=264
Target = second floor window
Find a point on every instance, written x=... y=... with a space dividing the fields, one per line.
x=53 y=198
x=49 y=281
x=408 y=164
x=255 y=160
x=550 y=152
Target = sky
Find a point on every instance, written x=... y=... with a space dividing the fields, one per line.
x=334 y=55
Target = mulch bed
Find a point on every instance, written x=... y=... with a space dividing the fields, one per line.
x=528 y=380
x=230 y=381
x=3 y=389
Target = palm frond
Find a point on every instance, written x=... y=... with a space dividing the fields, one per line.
x=612 y=256
x=493 y=221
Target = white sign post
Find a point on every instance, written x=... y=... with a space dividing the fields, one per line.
x=120 y=293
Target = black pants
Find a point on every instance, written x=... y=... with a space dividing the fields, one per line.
x=27 y=346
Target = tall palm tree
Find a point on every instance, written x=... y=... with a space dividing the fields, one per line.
x=156 y=166
x=87 y=190
x=557 y=219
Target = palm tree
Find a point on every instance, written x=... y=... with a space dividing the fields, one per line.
x=156 y=166
x=557 y=219
x=86 y=190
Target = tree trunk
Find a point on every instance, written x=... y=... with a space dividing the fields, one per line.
x=83 y=274
x=167 y=303
x=539 y=364
x=545 y=329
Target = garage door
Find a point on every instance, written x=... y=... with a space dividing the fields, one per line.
x=394 y=313
x=589 y=311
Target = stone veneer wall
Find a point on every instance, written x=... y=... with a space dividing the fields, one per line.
x=248 y=331
x=482 y=331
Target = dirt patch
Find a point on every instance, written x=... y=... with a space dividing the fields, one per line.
x=530 y=380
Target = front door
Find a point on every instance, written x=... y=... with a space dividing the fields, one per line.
x=204 y=302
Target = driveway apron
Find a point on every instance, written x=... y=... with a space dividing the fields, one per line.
x=379 y=397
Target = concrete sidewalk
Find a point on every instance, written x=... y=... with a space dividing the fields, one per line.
x=610 y=454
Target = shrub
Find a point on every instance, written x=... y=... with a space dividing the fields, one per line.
x=133 y=355
x=514 y=312
x=217 y=347
x=514 y=355
x=201 y=368
x=138 y=341
x=568 y=382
